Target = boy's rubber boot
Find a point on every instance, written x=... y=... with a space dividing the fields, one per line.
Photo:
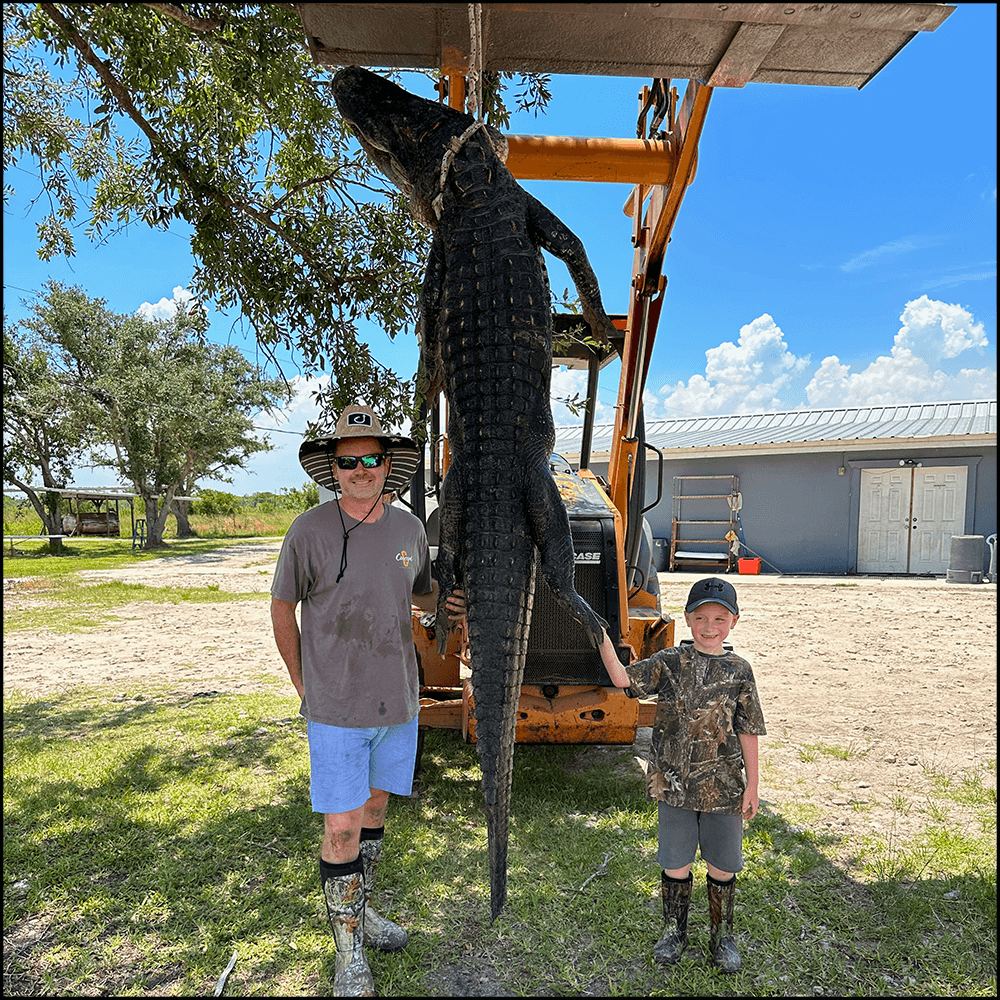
x=676 y=900
x=345 y=906
x=380 y=932
x=721 y=900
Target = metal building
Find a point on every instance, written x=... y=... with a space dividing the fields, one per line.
x=874 y=489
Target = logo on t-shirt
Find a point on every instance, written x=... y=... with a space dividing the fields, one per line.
x=405 y=558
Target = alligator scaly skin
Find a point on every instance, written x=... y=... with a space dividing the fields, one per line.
x=486 y=338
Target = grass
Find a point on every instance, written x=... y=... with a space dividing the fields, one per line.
x=247 y=523
x=35 y=560
x=150 y=834
x=811 y=751
x=68 y=606
x=67 y=602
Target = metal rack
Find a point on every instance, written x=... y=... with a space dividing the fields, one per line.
x=710 y=530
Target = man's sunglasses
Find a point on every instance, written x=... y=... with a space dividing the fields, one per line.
x=348 y=462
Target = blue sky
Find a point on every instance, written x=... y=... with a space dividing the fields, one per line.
x=838 y=247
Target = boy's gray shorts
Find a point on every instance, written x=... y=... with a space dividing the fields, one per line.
x=720 y=836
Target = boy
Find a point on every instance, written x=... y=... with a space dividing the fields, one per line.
x=708 y=718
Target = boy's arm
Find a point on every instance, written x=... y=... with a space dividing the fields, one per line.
x=612 y=664
x=748 y=744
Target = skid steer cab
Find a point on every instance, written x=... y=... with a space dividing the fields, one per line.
x=566 y=694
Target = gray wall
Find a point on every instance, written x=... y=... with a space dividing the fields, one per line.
x=801 y=515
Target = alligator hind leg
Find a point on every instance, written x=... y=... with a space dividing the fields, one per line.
x=551 y=533
x=447 y=566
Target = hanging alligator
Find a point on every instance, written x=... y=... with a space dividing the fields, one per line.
x=486 y=339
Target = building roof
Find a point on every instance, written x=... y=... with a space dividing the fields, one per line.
x=902 y=427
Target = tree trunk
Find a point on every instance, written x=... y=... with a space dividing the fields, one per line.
x=47 y=509
x=156 y=519
x=180 y=509
x=53 y=523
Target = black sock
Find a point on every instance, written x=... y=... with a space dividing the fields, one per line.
x=715 y=881
x=372 y=832
x=328 y=869
x=679 y=881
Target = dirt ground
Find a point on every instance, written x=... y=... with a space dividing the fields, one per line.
x=871 y=688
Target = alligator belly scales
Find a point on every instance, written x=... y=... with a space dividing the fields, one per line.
x=486 y=339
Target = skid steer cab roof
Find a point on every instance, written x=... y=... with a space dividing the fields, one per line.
x=723 y=45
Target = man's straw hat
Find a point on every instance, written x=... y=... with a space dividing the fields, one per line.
x=317 y=456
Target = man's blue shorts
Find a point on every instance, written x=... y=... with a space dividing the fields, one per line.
x=345 y=764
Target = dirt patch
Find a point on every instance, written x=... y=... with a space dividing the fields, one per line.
x=872 y=689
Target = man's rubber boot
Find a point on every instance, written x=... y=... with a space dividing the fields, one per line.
x=344 y=893
x=721 y=899
x=676 y=900
x=380 y=932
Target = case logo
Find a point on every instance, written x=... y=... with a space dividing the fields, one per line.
x=587 y=557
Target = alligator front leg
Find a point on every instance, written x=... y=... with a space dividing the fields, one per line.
x=431 y=381
x=552 y=534
x=552 y=234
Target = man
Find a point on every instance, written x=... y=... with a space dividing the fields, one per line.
x=355 y=565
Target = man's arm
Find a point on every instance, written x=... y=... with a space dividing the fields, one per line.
x=428 y=602
x=751 y=803
x=288 y=640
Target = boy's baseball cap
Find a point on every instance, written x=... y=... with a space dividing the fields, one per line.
x=713 y=591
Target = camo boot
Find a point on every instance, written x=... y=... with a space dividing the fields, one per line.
x=676 y=900
x=380 y=932
x=345 y=906
x=721 y=899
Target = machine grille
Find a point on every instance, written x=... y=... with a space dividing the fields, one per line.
x=559 y=648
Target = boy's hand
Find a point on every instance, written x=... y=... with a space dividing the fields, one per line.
x=750 y=804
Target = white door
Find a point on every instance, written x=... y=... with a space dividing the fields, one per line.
x=938 y=513
x=884 y=522
x=907 y=518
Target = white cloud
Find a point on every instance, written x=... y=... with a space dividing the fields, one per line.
x=279 y=468
x=935 y=330
x=877 y=254
x=570 y=382
x=958 y=279
x=166 y=308
x=932 y=333
x=739 y=378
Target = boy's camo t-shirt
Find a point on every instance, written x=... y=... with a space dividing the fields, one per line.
x=703 y=704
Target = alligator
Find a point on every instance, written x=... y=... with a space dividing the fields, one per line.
x=486 y=339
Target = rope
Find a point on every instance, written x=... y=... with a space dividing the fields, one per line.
x=476 y=59
x=476 y=97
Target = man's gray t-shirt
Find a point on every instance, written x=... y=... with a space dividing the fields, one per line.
x=359 y=665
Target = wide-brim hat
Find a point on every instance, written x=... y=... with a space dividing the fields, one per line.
x=317 y=456
x=713 y=591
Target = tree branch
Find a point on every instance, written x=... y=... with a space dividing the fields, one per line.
x=158 y=143
x=189 y=21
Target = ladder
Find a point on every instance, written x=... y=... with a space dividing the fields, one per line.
x=703 y=515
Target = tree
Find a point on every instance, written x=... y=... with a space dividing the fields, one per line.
x=41 y=435
x=169 y=407
x=214 y=114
